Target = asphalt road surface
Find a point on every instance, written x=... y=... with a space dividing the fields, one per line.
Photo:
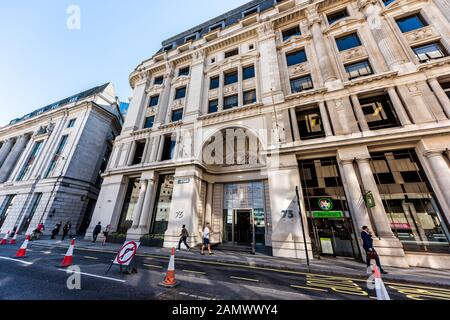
x=39 y=277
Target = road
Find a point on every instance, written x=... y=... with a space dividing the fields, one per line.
x=38 y=277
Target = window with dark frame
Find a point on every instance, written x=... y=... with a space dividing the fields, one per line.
x=297 y=57
x=71 y=123
x=231 y=53
x=57 y=156
x=177 y=115
x=379 y=112
x=446 y=87
x=248 y=72
x=301 y=84
x=410 y=23
x=388 y=2
x=249 y=97
x=139 y=152
x=292 y=32
x=231 y=77
x=158 y=80
x=336 y=16
x=153 y=101
x=348 y=42
x=310 y=123
x=168 y=148
x=217 y=26
x=429 y=52
x=250 y=11
x=213 y=106
x=149 y=122
x=230 y=102
x=30 y=160
x=180 y=93
x=184 y=71
x=214 y=83
x=358 y=69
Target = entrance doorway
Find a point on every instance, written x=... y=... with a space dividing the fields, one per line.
x=240 y=229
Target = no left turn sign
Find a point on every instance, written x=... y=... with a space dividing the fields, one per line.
x=126 y=253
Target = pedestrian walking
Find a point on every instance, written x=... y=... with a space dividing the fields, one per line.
x=106 y=233
x=97 y=230
x=55 y=230
x=183 y=238
x=366 y=237
x=206 y=240
x=66 y=229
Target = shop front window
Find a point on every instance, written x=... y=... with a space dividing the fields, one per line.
x=163 y=204
x=131 y=198
x=329 y=219
x=409 y=201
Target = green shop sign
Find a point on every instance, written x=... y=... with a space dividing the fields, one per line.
x=328 y=214
x=325 y=204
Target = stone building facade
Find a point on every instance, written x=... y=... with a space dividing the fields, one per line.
x=346 y=102
x=50 y=161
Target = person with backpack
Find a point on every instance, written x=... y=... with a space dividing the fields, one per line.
x=55 y=231
x=66 y=229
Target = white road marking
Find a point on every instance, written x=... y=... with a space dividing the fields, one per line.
x=94 y=275
x=17 y=260
x=244 y=279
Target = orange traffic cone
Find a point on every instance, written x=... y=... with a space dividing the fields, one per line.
x=169 y=281
x=68 y=258
x=380 y=288
x=13 y=240
x=5 y=239
x=23 y=249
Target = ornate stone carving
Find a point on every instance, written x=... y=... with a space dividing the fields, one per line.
x=198 y=55
x=298 y=69
x=353 y=53
x=420 y=34
x=179 y=103
x=230 y=89
x=265 y=28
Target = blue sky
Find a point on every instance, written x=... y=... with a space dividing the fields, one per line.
x=42 y=61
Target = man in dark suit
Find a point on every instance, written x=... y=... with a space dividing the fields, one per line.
x=366 y=237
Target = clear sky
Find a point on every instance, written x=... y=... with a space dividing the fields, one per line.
x=43 y=61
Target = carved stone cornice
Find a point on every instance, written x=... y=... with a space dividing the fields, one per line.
x=362 y=4
x=372 y=78
x=306 y=93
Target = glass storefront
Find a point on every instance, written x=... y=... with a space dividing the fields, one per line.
x=131 y=198
x=329 y=220
x=163 y=204
x=244 y=213
x=409 y=201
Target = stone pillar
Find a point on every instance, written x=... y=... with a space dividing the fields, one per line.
x=270 y=71
x=146 y=210
x=444 y=6
x=4 y=151
x=378 y=213
x=137 y=108
x=138 y=208
x=325 y=119
x=392 y=52
x=441 y=172
x=163 y=106
x=209 y=204
x=359 y=113
x=326 y=68
x=440 y=95
x=398 y=107
x=295 y=125
x=131 y=153
x=13 y=157
x=196 y=85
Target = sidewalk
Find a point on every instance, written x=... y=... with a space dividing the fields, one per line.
x=326 y=266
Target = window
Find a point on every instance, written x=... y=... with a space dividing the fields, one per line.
x=336 y=16
x=180 y=93
x=71 y=123
x=217 y=26
x=231 y=53
x=296 y=57
x=6 y=208
x=31 y=158
x=359 y=69
x=168 y=148
x=154 y=101
x=379 y=112
x=310 y=124
x=250 y=11
x=192 y=37
x=213 y=106
x=387 y=2
x=301 y=84
x=411 y=23
x=231 y=77
x=214 y=83
x=139 y=152
x=292 y=32
x=251 y=46
x=169 y=47
x=158 y=80
x=177 y=115
x=446 y=87
x=131 y=199
x=430 y=52
x=103 y=165
x=56 y=157
x=348 y=42
x=149 y=122
x=184 y=71
x=230 y=102
x=248 y=72
x=162 y=205
x=249 y=97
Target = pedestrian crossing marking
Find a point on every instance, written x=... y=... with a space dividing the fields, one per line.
x=335 y=284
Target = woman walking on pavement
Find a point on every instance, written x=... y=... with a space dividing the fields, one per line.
x=106 y=233
x=66 y=229
x=183 y=237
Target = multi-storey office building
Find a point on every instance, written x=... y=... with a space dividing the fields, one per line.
x=51 y=159
x=348 y=101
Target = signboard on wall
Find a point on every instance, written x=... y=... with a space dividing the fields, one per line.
x=327 y=245
x=328 y=214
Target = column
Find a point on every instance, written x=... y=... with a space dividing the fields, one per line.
x=355 y=197
x=359 y=113
x=295 y=125
x=441 y=173
x=13 y=157
x=392 y=52
x=325 y=119
x=163 y=105
x=196 y=85
x=209 y=203
x=137 y=105
x=444 y=6
x=138 y=208
x=146 y=210
x=4 y=151
x=378 y=213
x=131 y=154
x=440 y=95
x=398 y=106
x=315 y=21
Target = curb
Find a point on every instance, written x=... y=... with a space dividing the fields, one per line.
x=273 y=266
